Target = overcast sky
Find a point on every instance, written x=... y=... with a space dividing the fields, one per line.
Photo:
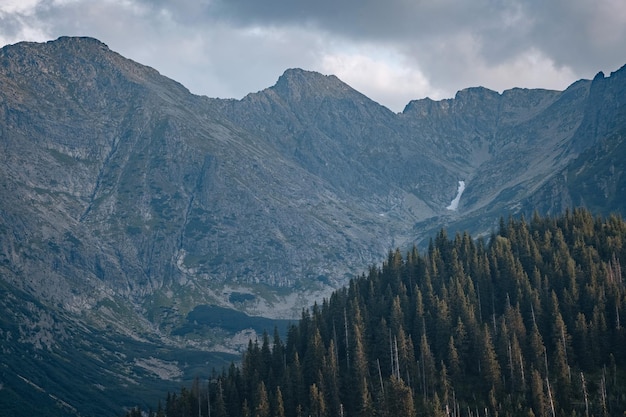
x=393 y=51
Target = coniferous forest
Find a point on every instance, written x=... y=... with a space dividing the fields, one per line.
x=529 y=322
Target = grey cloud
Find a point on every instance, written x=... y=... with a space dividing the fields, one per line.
x=560 y=28
x=361 y=19
x=358 y=19
x=502 y=28
x=11 y=26
x=568 y=31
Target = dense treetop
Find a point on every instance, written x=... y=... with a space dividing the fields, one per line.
x=528 y=322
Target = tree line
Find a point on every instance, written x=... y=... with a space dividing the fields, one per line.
x=529 y=322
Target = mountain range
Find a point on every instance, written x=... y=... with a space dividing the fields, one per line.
x=130 y=207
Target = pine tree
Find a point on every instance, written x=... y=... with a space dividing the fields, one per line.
x=539 y=400
x=313 y=355
x=361 y=368
x=399 y=398
x=262 y=405
x=219 y=407
x=279 y=405
x=518 y=380
x=245 y=409
x=489 y=362
x=453 y=360
x=330 y=368
x=279 y=356
x=561 y=343
x=317 y=402
x=296 y=387
x=537 y=349
x=427 y=361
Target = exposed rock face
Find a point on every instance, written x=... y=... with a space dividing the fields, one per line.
x=119 y=182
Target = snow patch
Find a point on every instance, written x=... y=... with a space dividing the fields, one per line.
x=455 y=203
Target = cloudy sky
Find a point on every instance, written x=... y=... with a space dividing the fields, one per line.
x=393 y=51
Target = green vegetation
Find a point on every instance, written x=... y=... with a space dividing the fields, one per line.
x=529 y=324
x=226 y=319
x=52 y=366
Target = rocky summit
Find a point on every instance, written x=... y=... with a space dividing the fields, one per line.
x=127 y=203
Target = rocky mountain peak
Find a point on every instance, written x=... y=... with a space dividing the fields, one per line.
x=471 y=93
x=78 y=43
x=297 y=82
x=297 y=86
x=64 y=44
x=474 y=97
x=84 y=71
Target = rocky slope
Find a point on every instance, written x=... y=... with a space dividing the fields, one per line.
x=118 y=184
x=126 y=201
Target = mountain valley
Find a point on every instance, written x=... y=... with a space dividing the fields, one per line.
x=130 y=207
